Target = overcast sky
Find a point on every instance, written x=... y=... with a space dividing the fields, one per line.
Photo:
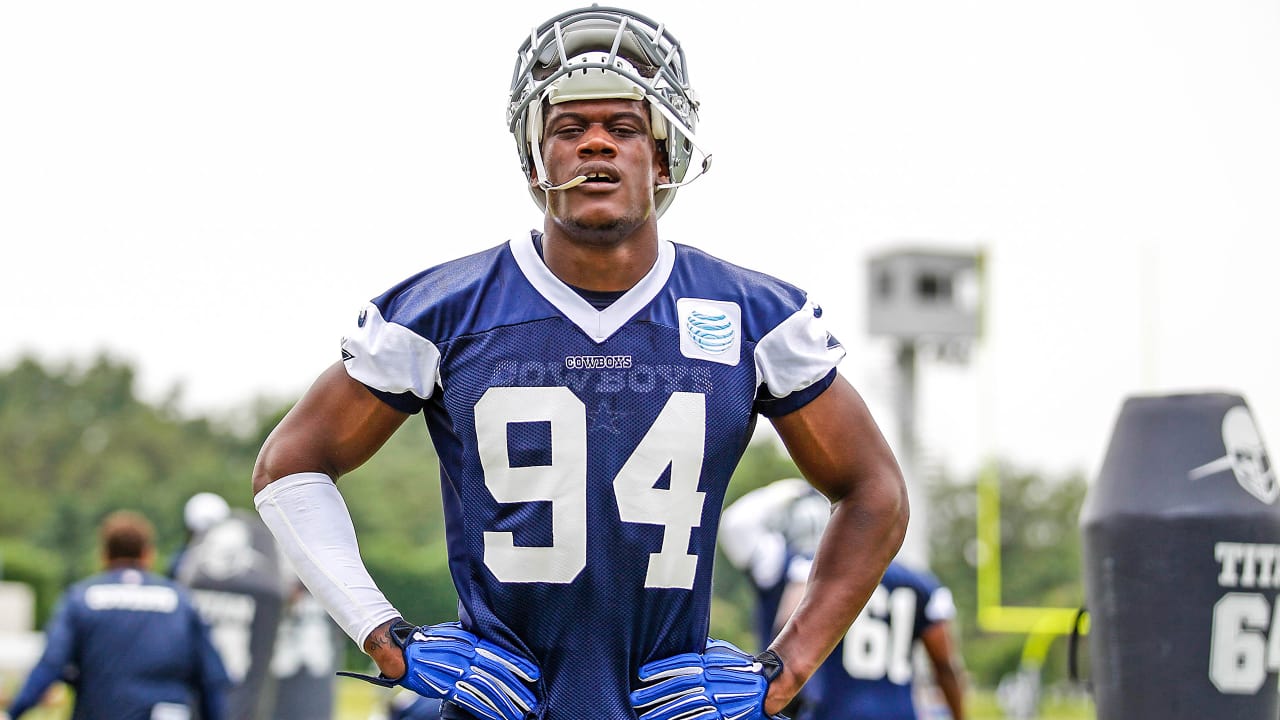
x=211 y=190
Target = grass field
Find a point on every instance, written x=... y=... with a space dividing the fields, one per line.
x=983 y=706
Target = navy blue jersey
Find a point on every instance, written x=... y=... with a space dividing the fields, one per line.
x=129 y=641
x=585 y=453
x=869 y=674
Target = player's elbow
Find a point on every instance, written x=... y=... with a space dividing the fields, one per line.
x=263 y=473
x=886 y=498
x=901 y=509
x=280 y=456
x=877 y=502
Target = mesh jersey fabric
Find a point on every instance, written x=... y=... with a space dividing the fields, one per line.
x=585 y=454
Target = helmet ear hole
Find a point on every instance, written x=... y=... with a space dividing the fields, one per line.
x=657 y=123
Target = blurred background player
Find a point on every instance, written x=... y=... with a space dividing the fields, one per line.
x=871 y=673
x=770 y=534
x=308 y=650
x=129 y=641
x=201 y=511
x=234 y=573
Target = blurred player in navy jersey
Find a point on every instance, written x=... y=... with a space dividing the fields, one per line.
x=771 y=534
x=870 y=675
x=129 y=641
x=589 y=388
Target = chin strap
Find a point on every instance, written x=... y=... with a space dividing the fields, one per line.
x=706 y=165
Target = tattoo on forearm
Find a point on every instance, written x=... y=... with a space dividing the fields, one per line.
x=379 y=640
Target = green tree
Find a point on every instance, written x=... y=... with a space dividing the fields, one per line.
x=77 y=443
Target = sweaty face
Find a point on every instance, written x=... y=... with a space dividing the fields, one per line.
x=610 y=142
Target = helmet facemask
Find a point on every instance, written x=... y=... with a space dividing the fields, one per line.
x=605 y=53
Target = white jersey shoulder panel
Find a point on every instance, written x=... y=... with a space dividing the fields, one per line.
x=391 y=357
x=797 y=353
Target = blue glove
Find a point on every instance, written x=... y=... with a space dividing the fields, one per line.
x=722 y=683
x=446 y=662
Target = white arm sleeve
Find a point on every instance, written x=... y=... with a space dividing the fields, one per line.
x=312 y=526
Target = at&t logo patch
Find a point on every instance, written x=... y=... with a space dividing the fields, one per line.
x=710 y=330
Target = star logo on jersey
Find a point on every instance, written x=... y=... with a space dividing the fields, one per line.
x=710 y=330
x=606 y=418
x=363 y=318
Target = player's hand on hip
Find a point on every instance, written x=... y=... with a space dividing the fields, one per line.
x=446 y=662
x=721 y=683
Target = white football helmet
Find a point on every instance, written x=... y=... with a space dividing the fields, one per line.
x=204 y=510
x=636 y=59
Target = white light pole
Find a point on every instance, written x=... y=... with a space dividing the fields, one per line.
x=921 y=299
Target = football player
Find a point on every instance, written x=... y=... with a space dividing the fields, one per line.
x=589 y=388
x=128 y=640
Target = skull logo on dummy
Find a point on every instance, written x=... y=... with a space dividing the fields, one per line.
x=1248 y=456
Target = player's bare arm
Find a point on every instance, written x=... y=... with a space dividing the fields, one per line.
x=946 y=670
x=336 y=426
x=839 y=449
